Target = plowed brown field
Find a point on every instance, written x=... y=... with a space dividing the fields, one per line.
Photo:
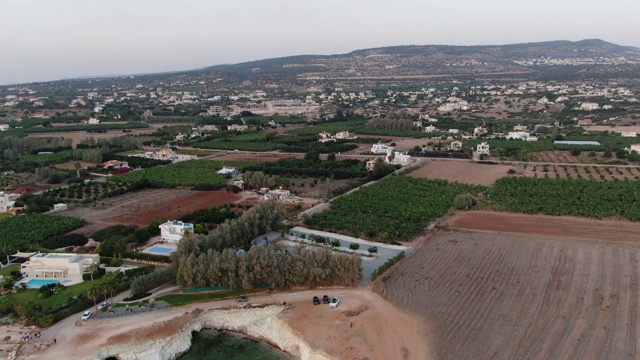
x=176 y=208
x=490 y=295
x=461 y=171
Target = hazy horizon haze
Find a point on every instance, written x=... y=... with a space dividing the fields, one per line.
x=43 y=41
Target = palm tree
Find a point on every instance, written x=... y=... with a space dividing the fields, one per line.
x=109 y=281
x=104 y=290
x=94 y=294
x=78 y=167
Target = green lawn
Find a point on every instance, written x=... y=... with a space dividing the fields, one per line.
x=54 y=300
x=183 y=299
x=5 y=216
x=7 y=271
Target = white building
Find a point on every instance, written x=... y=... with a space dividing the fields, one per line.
x=277 y=195
x=6 y=203
x=482 y=149
x=93 y=121
x=344 y=135
x=4 y=127
x=380 y=148
x=479 y=130
x=521 y=135
x=520 y=128
x=174 y=231
x=399 y=158
x=430 y=129
x=115 y=164
x=59 y=265
x=628 y=134
x=588 y=106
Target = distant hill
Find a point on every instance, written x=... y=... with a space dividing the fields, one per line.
x=444 y=60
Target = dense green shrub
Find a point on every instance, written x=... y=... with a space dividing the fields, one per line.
x=64 y=241
x=111 y=231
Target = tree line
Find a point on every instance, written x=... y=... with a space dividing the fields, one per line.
x=281 y=269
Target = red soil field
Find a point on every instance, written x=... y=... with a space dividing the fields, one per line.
x=176 y=208
x=461 y=171
x=550 y=226
x=497 y=295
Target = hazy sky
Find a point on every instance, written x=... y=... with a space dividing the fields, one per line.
x=53 y=39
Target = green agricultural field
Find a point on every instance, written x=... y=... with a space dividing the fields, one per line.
x=395 y=208
x=576 y=197
x=21 y=231
x=185 y=173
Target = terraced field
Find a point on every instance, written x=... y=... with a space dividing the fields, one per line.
x=499 y=296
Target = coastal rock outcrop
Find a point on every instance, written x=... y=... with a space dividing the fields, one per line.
x=258 y=322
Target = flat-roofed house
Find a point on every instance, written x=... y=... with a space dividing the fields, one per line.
x=59 y=265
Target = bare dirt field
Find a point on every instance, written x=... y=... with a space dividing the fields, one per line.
x=78 y=136
x=364 y=326
x=143 y=207
x=256 y=157
x=461 y=171
x=176 y=208
x=546 y=293
x=615 y=129
x=71 y=165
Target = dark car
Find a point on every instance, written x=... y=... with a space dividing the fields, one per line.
x=242 y=299
x=325 y=299
x=316 y=300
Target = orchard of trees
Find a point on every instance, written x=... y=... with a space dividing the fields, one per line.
x=215 y=259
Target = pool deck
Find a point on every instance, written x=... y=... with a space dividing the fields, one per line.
x=164 y=245
x=64 y=281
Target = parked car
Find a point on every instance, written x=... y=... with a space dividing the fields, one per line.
x=242 y=299
x=325 y=299
x=86 y=315
x=316 y=300
x=104 y=305
x=334 y=302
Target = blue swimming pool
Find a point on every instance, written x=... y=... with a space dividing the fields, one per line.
x=37 y=283
x=161 y=250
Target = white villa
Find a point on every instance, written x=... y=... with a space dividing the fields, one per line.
x=521 y=135
x=115 y=164
x=344 y=135
x=6 y=203
x=277 y=195
x=380 y=148
x=59 y=265
x=174 y=231
x=482 y=149
x=628 y=134
x=430 y=129
x=589 y=106
x=455 y=146
x=400 y=158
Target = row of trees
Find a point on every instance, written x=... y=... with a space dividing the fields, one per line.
x=235 y=233
x=391 y=124
x=144 y=283
x=281 y=269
